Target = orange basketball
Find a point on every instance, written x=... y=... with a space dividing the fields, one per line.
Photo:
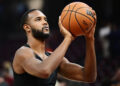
x=78 y=18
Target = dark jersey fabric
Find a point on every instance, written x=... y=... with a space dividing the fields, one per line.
x=29 y=80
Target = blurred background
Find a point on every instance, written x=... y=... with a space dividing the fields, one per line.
x=107 y=38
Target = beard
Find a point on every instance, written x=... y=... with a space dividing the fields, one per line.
x=39 y=35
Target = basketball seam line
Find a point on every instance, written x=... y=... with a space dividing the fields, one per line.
x=70 y=19
x=66 y=14
x=93 y=18
x=90 y=28
x=77 y=19
x=81 y=14
x=79 y=23
x=85 y=7
x=93 y=24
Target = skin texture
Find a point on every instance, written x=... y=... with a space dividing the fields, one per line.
x=24 y=60
x=88 y=73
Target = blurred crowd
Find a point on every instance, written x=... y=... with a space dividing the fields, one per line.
x=6 y=74
x=107 y=44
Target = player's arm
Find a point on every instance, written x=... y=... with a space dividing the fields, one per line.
x=45 y=68
x=87 y=73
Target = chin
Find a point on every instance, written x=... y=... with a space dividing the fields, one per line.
x=47 y=33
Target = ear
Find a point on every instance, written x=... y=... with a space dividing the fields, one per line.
x=26 y=27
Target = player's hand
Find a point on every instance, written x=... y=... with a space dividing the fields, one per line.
x=64 y=31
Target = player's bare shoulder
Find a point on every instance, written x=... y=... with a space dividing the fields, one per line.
x=21 y=54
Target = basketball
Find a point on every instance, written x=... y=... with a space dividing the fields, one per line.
x=78 y=18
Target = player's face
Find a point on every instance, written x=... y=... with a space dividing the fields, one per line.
x=39 y=25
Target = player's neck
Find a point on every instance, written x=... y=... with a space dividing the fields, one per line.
x=37 y=45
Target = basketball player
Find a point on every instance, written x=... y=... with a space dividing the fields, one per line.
x=33 y=66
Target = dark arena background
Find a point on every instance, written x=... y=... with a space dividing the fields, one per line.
x=107 y=38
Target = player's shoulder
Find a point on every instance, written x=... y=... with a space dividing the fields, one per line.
x=23 y=52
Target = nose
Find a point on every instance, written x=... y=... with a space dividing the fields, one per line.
x=45 y=23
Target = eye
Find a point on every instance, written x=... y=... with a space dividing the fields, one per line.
x=38 y=19
x=45 y=19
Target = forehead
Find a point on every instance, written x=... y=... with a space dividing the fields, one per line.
x=35 y=14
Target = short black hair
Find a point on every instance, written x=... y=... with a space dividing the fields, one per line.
x=25 y=17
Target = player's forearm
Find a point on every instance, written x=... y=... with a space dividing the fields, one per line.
x=90 y=71
x=56 y=57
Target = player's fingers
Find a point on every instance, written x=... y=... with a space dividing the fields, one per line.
x=59 y=20
x=60 y=24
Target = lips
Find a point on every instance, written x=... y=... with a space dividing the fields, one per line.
x=45 y=28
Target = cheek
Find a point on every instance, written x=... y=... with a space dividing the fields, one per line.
x=37 y=26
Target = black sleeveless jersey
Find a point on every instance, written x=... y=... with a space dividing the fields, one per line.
x=29 y=80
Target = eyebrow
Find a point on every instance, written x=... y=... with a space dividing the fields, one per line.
x=40 y=17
